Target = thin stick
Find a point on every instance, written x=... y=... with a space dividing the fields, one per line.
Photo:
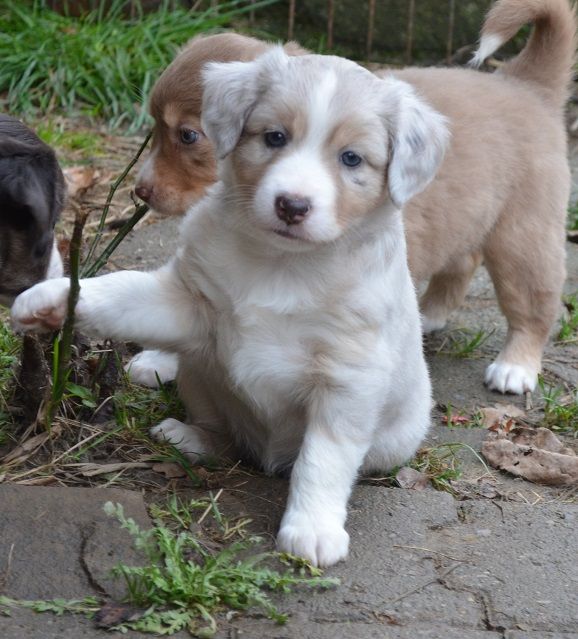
x=425 y=585
x=410 y=25
x=330 y=21
x=102 y=259
x=370 y=28
x=119 y=180
x=291 y=20
x=63 y=343
x=451 y=23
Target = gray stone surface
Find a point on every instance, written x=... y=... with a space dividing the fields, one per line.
x=422 y=564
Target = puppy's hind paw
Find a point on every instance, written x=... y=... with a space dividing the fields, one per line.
x=323 y=545
x=41 y=308
x=151 y=367
x=182 y=436
x=511 y=378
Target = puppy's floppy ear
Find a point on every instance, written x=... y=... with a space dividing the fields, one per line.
x=231 y=90
x=420 y=138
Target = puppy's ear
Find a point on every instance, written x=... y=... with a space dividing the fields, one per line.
x=231 y=90
x=420 y=138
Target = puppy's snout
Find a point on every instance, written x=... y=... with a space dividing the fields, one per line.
x=292 y=210
x=143 y=192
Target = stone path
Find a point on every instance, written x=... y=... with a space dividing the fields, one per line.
x=422 y=566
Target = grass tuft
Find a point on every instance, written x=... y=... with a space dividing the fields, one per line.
x=102 y=64
x=569 y=325
x=560 y=407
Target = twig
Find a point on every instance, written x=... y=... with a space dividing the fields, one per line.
x=114 y=187
x=63 y=343
x=436 y=552
x=426 y=584
x=102 y=259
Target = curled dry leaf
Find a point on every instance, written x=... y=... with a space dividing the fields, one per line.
x=79 y=179
x=113 y=614
x=536 y=455
x=408 y=477
x=498 y=415
x=170 y=470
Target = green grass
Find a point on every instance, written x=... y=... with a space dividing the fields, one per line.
x=182 y=585
x=9 y=350
x=55 y=134
x=569 y=325
x=560 y=408
x=465 y=343
x=102 y=64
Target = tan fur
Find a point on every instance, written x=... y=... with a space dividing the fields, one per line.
x=178 y=174
x=502 y=191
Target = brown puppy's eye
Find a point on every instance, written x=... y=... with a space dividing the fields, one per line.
x=188 y=136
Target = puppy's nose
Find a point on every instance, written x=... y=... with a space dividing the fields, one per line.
x=143 y=192
x=292 y=210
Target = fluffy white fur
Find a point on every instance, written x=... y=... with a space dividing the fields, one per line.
x=299 y=346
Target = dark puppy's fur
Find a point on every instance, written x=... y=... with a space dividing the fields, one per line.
x=32 y=193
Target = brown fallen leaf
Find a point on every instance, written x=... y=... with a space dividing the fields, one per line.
x=31 y=445
x=410 y=478
x=79 y=179
x=519 y=453
x=493 y=416
x=92 y=470
x=456 y=419
x=113 y=614
x=170 y=470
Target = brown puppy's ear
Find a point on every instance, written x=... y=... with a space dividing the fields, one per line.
x=231 y=90
x=420 y=137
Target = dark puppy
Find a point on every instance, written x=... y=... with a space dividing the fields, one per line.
x=32 y=191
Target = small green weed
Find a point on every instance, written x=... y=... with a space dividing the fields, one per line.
x=465 y=343
x=569 y=325
x=183 y=585
x=56 y=135
x=560 y=407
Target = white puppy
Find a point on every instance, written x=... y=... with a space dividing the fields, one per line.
x=289 y=302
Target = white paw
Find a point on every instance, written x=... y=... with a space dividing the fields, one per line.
x=431 y=323
x=511 y=378
x=323 y=543
x=41 y=308
x=150 y=367
x=182 y=436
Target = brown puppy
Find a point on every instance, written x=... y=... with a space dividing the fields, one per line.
x=181 y=163
x=501 y=193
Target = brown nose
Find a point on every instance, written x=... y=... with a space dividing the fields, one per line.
x=143 y=192
x=292 y=210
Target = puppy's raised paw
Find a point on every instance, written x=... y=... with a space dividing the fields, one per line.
x=41 y=308
x=321 y=543
x=510 y=378
x=182 y=436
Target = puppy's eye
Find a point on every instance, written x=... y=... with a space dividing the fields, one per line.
x=275 y=138
x=188 y=136
x=351 y=159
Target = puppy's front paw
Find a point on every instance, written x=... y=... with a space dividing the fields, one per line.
x=510 y=378
x=150 y=367
x=182 y=436
x=323 y=543
x=41 y=308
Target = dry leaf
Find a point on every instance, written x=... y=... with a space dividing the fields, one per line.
x=519 y=453
x=79 y=179
x=92 y=470
x=170 y=470
x=113 y=614
x=408 y=477
x=456 y=419
x=31 y=445
x=493 y=416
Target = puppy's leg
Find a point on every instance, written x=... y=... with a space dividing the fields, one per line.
x=336 y=440
x=151 y=367
x=446 y=291
x=150 y=308
x=527 y=265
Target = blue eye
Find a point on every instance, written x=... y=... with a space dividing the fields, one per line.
x=275 y=139
x=351 y=159
x=188 y=136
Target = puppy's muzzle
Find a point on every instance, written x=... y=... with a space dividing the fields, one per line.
x=292 y=210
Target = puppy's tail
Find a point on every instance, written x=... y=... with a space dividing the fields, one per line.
x=549 y=55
